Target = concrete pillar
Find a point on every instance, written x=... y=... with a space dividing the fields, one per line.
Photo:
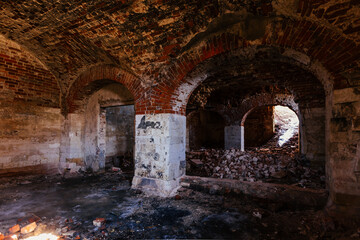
x=159 y=153
x=234 y=137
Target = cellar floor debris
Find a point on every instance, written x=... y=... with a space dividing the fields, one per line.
x=68 y=207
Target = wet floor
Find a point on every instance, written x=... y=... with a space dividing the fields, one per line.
x=68 y=207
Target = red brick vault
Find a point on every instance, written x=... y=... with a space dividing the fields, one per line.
x=97 y=77
x=336 y=54
x=161 y=51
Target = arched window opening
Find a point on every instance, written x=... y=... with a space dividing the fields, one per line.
x=109 y=131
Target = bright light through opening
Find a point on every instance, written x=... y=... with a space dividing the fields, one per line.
x=44 y=236
x=288 y=123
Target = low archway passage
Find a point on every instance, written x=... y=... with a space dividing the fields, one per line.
x=119 y=137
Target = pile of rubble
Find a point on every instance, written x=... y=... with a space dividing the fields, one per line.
x=258 y=165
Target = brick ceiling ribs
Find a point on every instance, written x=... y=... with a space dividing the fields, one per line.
x=235 y=78
x=147 y=37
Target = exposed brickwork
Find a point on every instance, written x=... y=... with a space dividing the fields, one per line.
x=23 y=78
x=236 y=115
x=167 y=48
x=147 y=36
x=97 y=77
x=337 y=53
x=268 y=69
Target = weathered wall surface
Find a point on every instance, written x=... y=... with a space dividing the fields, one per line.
x=259 y=126
x=120 y=132
x=29 y=136
x=344 y=147
x=205 y=129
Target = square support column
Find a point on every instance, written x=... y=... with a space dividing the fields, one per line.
x=159 y=153
x=234 y=137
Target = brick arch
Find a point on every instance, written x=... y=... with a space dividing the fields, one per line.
x=97 y=77
x=316 y=48
x=236 y=115
x=267 y=100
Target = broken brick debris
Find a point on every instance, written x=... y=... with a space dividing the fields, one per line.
x=14 y=229
x=28 y=228
x=273 y=164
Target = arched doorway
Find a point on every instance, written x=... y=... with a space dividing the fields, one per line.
x=109 y=128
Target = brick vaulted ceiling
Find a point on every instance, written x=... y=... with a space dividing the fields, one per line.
x=145 y=37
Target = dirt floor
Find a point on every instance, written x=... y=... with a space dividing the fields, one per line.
x=68 y=206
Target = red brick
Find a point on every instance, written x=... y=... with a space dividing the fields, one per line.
x=14 y=229
x=28 y=228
